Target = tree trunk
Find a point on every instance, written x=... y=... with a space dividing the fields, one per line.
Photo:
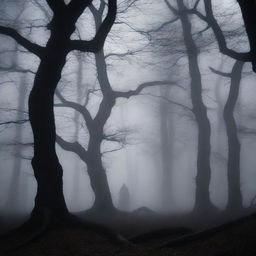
x=47 y=169
x=202 y=196
x=220 y=121
x=96 y=171
x=235 y=201
x=103 y=200
x=166 y=143
x=248 y=8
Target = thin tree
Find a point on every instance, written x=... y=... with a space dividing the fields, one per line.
x=167 y=138
x=203 y=202
x=235 y=201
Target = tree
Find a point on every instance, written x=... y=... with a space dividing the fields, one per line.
x=92 y=156
x=202 y=196
x=167 y=141
x=47 y=169
x=247 y=8
x=235 y=201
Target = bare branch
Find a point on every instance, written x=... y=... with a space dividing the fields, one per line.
x=202 y=30
x=98 y=12
x=81 y=109
x=22 y=144
x=196 y=4
x=32 y=47
x=169 y=101
x=161 y=26
x=22 y=121
x=175 y=11
x=74 y=147
x=212 y=22
x=119 y=136
x=142 y=86
x=224 y=74
x=112 y=150
x=246 y=131
x=16 y=69
x=97 y=43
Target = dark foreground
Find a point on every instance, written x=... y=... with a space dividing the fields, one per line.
x=236 y=239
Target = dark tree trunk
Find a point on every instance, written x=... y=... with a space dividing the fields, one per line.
x=103 y=200
x=202 y=196
x=97 y=173
x=248 y=9
x=235 y=201
x=96 y=170
x=47 y=169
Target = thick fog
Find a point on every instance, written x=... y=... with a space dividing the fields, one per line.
x=150 y=144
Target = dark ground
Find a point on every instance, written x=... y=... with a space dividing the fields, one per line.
x=238 y=238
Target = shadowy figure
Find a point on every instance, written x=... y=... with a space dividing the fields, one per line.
x=124 y=198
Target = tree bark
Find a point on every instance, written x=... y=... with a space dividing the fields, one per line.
x=248 y=8
x=103 y=200
x=202 y=196
x=235 y=201
x=47 y=169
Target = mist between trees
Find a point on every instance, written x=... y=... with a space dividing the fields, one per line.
x=131 y=104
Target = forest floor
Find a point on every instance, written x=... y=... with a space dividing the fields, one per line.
x=237 y=239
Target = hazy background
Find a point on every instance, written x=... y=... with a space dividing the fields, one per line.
x=137 y=161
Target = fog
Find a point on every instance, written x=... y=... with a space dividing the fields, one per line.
x=150 y=142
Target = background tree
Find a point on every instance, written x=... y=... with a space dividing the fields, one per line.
x=92 y=156
x=235 y=201
x=202 y=195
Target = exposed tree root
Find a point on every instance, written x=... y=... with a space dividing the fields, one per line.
x=110 y=233
x=144 y=210
x=173 y=232
x=49 y=222
x=204 y=234
x=39 y=232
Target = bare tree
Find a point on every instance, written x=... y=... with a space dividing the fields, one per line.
x=203 y=202
x=235 y=201
x=248 y=9
x=92 y=156
x=47 y=169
